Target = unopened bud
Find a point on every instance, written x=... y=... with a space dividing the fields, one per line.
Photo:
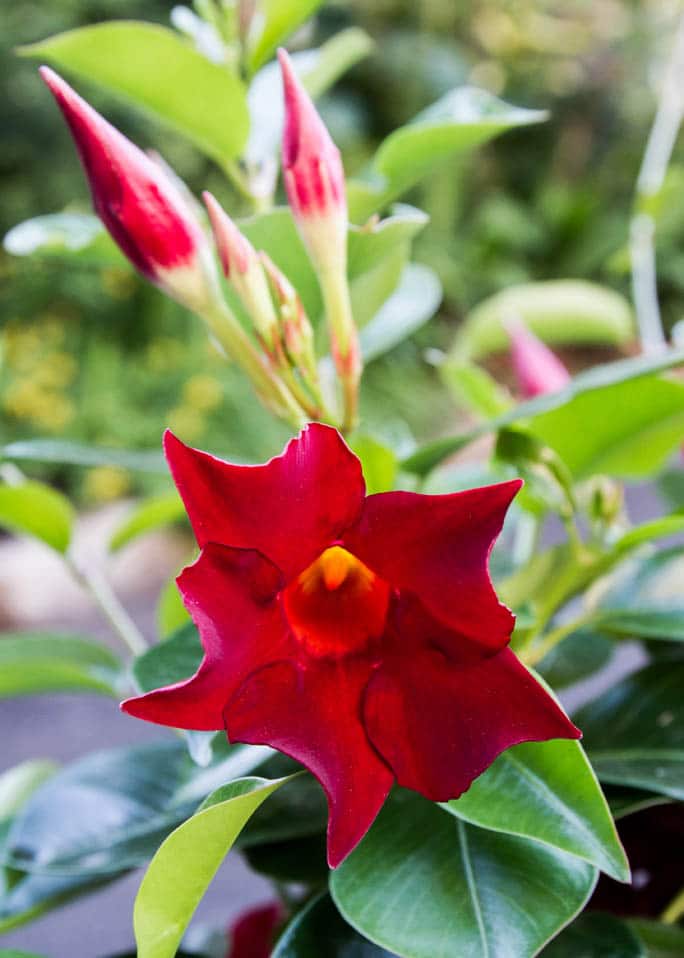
x=537 y=369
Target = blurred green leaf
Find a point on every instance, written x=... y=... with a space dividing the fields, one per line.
x=594 y=935
x=563 y=311
x=379 y=464
x=596 y=384
x=78 y=237
x=183 y=867
x=31 y=663
x=171 y=613
x=274 y=22
x=660 y=940
x=66 y=452
x=153 y=68
x=634 y=733
x=580 y=655
x=20 y=781
x=473 y=387
x=320 y=929
x=461 y=120
x=37 y=510
x=411 y=305
x=627 y=801
x=171 y=661
x=154 y=513
x=425 y=884
x=546 y=791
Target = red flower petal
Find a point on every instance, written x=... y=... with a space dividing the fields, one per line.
x=252 y=933
x=439 y=723
x=289 y=509
x=438 y=548
x=313 y=714
x=229 y=594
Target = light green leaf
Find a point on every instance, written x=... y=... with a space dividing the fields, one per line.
x=274 y=21
x=594 y=935
x=634 y=733
x=171 y=613
x=154 y=513
x=660 y=940
x=473 y=387
x=31 y=663
x=379 y=464
x=548 y=792
x=80 y=237
x=153 y=68
x=461 y=120
x=180 y=872
x=69 y=453
x=424 y=884
x=411 y=305
x=19 y=782
x=37 y=510
x=561 y=311
x=596 y=384
x=319 y=928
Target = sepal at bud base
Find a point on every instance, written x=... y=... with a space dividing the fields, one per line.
x=297 y=332
x=243 y=268
x=142 y=207
x=537 y=369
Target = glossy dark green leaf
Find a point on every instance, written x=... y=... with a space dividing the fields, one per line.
x=629 y=801
x=78 y=237
x=595 y=935
x=319 y=929
x=415 y=301
x=300 y=860
x=596 y=383
x=276 y=19
x=575 y=658
x=645 y=598
x=461 y=120
x=659 y=940
x=546 y=791
x=634 y=733
x=32 y=662
x=34 y=509
x=424 y=884
x=154 y=513
x=31 y=895
x=558 y=311
x=69 y=453
x=109 y=811
x=186 y=862
x=173 y=660
x=153 y=68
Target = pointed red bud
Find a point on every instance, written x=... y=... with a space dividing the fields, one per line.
x=537 y=369
x=314 y=177
x=141 y=206
x=235 y=250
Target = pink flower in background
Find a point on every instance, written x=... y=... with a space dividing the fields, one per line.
x=537 y=369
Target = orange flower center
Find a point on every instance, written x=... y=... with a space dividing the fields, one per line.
x=337 y=605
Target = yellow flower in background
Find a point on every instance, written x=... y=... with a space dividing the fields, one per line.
x=187 y=422
x=106 y=483
x=203 y=392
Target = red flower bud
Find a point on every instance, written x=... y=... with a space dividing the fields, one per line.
x=314 y=177
x=537 y=369
x=143 y=209
x=253 y=931
x=361 y=635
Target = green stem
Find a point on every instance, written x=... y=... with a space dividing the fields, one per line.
x=674 y=910
x=534 y=654
x=344 y=341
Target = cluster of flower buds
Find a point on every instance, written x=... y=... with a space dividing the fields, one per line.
x=153 y=218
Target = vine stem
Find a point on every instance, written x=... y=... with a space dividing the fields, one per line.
x=659 y=146
x=108 y=603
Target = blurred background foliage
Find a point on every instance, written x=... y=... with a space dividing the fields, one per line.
x=99 y=356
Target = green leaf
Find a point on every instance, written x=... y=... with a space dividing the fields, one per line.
x=154 y=513
x=318 y=929
x=413 y=303
x=644 y=598
x=31 y=663
x=109 y=812
x=11 y=953
x=473 y=387
x=32 y=895
x=594 y=935
x=628 y=801
x=634 y=733
x=548 y=792
x=575 y=658
x=78 y=237
x=66 y=452
x=379 y=464
x=19 y=782
x=650 y=531
x=317 y=69
x=153 y=68
x=660 y=940
x=276 y=20
x=171 y=613
x=424 y=884
x=37 y=510
x=595 y=383
x=173 y=660
x=180 y=872
x=461 y=120
x=560 y=312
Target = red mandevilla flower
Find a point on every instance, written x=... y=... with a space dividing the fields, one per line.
x=143 y=209
x=360 y=635
x=537 y=369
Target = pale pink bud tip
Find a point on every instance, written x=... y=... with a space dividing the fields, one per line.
x=140 y=206
x=235 y=250
x=314 y=177
x=537 y=369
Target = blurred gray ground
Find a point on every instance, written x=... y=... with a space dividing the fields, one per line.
x=36 y=593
